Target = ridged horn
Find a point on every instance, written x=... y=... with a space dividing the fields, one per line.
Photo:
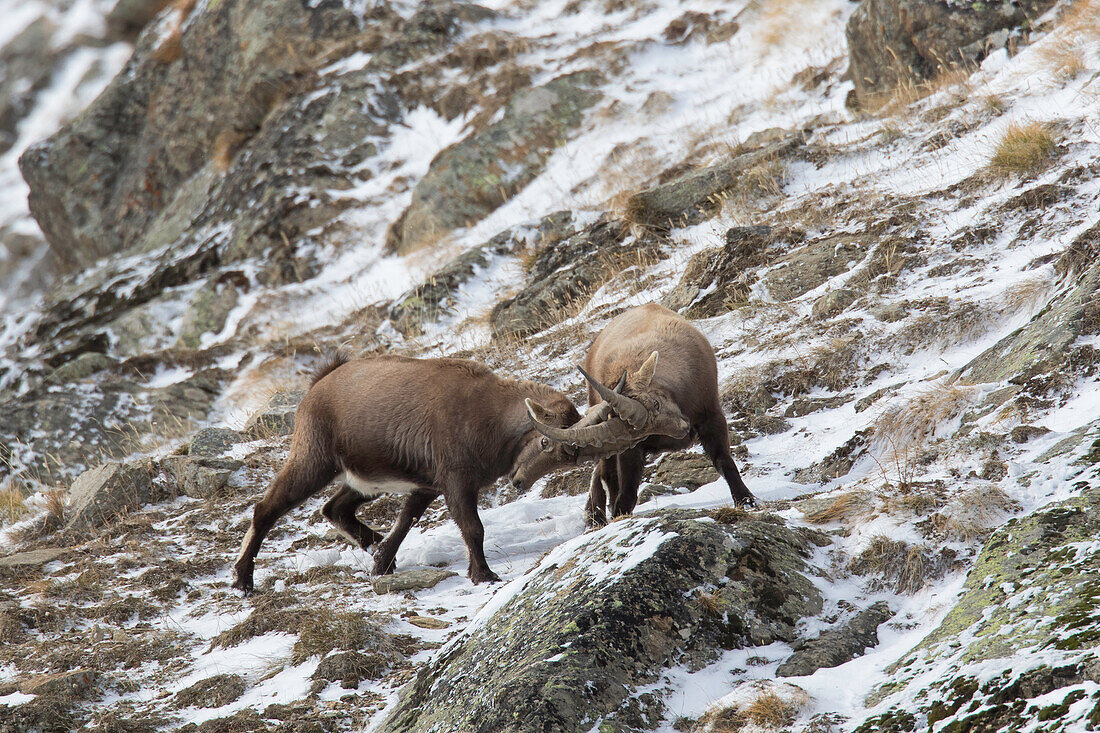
x=609 y=436
x=632 y=412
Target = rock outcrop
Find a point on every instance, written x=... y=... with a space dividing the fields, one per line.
x=897 y=42
x=565 y=646
x=1024 y=627
x=472 y=178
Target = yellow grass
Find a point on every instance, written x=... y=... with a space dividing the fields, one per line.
x=1023 y=148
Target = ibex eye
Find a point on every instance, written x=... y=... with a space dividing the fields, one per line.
x=545 y=443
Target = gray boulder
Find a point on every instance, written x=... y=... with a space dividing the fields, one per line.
x=896 y=42
x=100 y=495
x=1044 y=343
x=214 y=442
x=717 y=278
x=566 y=647
x=97 y=184
x=410 y=580
x=431 y=299
x=562 y=277
x=837 y=646
x=471 y=178
x=276 y=417
x=697 y=195
x=200 y=477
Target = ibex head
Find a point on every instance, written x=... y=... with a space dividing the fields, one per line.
x=618 y=423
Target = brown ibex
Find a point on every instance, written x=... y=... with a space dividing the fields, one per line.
x=672 y=374
x=423 y=428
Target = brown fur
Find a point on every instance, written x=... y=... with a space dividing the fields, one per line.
x=446 y=426
x=686 y=380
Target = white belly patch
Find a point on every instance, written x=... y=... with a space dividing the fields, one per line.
x=373 y=487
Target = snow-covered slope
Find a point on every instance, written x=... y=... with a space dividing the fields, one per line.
x=879 y=404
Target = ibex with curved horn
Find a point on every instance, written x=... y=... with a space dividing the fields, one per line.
x=671 y=377
x=423 y=428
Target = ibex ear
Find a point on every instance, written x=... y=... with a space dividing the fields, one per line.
x=645 y=374
x=538 y=413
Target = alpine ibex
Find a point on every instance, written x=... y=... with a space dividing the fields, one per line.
x=672 y=375
x=423 y=428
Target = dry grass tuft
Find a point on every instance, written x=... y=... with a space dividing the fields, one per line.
x=327 y=630
x=908 y=425
x=1023 y=149
x=770 y=710
x=845 y=506
x=11 y=505
x=1064 y=50
x=903 y=567
x=728 y=514
x=1026 y=294
x=711 y=604
x=973 y=514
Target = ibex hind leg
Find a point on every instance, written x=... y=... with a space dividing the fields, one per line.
x=340 y=512
x=299 y=480
x=714 y=435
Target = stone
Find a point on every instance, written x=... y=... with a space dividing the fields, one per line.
x=837 y=646
x=201 y=477
x=716 y=279
x=128 y=17
x=834 y=302
x=214 y=442
x=889 y=312
x=207 y=311
x=590 y=639
x=31 y=558
x=562 y=278
x=61 y=686
x=893 y=43
x=695 y=196
x=98 y=183
x=212 y=692
x=1044 y=342
x=471 y=178
x=80 y=368
x=683 y=469
x=806 y=405
x=811 y=265
x=1024 y=433
x=276 y=417
x=410 y=580
x=100 y=495
x=349 y=668
x=428 y=622
x=431 y=299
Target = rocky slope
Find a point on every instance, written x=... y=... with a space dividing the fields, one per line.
x=883 y=216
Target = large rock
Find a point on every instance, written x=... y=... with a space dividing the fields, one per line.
x=276 y=417
x=717 y=278
x=100 y=495
x=567 y=645
x=471 y=178
x=97 y=184
x=432 y=299
x=697 y=195
x=837 y=646
x=1044 y=343
x=897 y=42
x=1025 y=626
